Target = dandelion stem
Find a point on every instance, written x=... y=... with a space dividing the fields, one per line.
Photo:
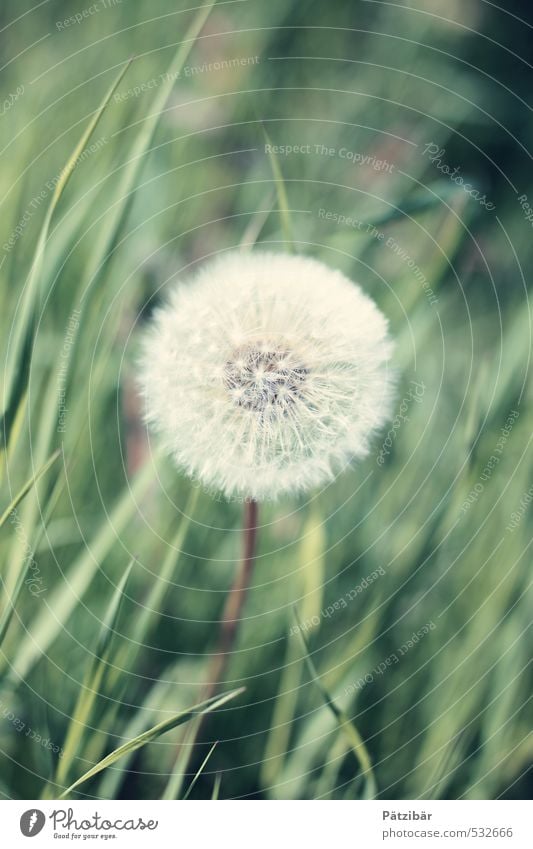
x=226 y=639
x=235 y=601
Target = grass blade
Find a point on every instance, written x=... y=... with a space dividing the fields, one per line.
x=27 y=486
x=110 y=620
x=13 y=595
x=91 y=685
x=281 y=193
x=216 y=787
x=18 y=368
x=417 y=204
x=154 y=701
x=149 y=612
x=257 y=222
x=312 y=560
x=137 y=158
x=42 y=632
x=344 y=723
x=200 y=770
x=152 y=734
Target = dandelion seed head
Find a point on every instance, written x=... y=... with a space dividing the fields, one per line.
x=262 y=375
x=266 y=374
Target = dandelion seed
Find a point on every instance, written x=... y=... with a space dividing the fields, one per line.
x=266 y=374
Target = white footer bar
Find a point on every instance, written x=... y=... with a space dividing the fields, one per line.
x=267 y=825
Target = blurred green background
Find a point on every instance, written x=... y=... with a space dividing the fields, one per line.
x=174 y=172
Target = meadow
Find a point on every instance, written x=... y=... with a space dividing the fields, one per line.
x=139 y=140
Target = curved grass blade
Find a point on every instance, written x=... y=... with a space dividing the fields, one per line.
x=329 y=778
x=111 y=781
x=19 y=365
x=152 y=734
x=345 y=725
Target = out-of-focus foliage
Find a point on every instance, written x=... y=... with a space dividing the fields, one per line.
x=428 y=537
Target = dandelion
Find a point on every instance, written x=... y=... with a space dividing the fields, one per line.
x=266 y=374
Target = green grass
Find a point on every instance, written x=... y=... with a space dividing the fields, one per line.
x=105 y=658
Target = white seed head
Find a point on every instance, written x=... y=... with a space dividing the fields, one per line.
x=266 y=374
